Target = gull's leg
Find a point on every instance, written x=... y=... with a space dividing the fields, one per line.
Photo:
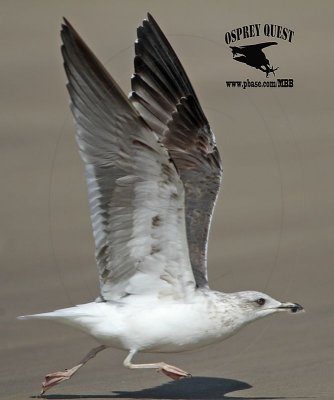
x=60 y=376
x=169 y=370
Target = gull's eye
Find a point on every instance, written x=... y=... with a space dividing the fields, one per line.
x=261 y=301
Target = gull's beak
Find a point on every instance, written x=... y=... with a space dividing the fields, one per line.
x=292 y=307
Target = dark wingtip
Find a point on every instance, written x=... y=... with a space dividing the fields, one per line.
x=68 y=34
x=151 y=20
x=65 y=24
x=67 y=27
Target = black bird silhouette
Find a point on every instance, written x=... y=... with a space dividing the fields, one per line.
x=253 y=55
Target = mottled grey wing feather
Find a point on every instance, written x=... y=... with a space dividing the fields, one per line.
x=135 y=194
x=165 y=98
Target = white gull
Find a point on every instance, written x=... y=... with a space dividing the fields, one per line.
x=153 y=174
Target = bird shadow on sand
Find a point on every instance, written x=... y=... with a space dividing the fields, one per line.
x=204 y=388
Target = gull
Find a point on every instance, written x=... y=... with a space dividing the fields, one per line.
x=153 y=173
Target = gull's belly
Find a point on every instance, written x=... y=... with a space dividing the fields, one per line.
x=161 y=328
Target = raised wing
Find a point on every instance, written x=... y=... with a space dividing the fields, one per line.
x=136 y=196
x=165 y=98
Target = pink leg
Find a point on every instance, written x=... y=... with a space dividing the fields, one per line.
x=169 y=370
x=57 y=377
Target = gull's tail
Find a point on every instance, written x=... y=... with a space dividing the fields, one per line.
x=83 y=317
x=73 y=315
x=49 y=315
x=62 y=315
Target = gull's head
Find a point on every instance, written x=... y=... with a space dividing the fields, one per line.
x=254 y=305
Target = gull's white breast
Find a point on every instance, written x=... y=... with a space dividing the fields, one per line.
x=153 y=325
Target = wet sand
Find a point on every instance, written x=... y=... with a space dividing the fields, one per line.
x=273 y=228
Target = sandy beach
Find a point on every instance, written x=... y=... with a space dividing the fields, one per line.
x=273 y=228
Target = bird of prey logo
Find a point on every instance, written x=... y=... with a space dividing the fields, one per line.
x=253 y=55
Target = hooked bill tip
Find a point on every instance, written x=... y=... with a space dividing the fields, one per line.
x=292 y=307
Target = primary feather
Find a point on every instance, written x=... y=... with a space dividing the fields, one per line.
x=165 y=98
